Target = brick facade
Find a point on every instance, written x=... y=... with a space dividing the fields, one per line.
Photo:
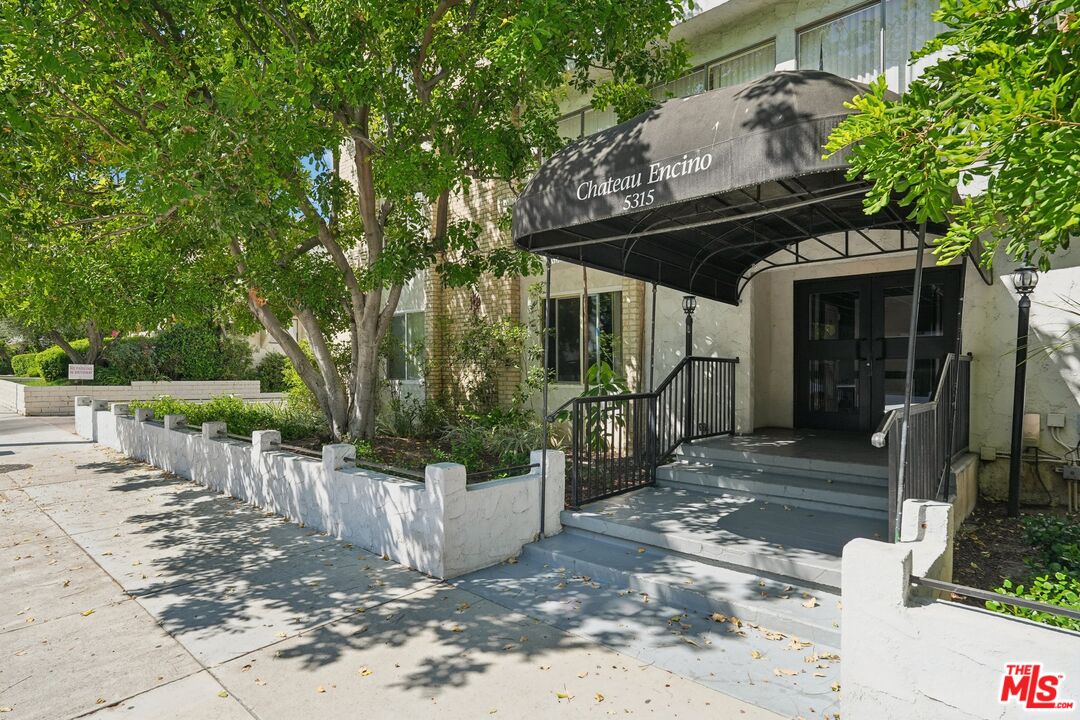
x=492 y=299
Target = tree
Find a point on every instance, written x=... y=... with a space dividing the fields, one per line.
x=313 y=145
x=999 y=113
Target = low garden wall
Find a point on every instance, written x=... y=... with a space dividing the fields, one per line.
x=60 y=399
x=908 y=655
x=441 y=526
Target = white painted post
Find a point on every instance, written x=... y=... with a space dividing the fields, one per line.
x=554 y=490
x=84 y=416
x=335 y=457
x=263 y=441
x=175 y=422
x=143 y=414
x=214 y=431
x=445 y=485
x=120 y=408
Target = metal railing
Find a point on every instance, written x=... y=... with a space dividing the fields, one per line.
x=937 y=433
x=617 y=441
x=1008 y=600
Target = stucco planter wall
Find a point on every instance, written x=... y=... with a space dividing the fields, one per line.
x=905 y=654
x=440 y=526
x=60 y=399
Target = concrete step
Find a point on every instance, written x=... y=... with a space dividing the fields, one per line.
x=742 y=554
x=738 y=662
x=807 y=467
x=841 y=495
x=693 y=585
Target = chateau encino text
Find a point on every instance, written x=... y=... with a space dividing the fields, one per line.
x=638 y=185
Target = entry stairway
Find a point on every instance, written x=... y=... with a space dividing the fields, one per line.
x=726 y=571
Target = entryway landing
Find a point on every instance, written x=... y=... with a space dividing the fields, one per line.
x=849 y=453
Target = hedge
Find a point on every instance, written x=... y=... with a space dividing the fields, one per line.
x=25 y=365
x=53 y=362
x=271 y=372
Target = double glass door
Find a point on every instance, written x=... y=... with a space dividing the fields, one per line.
x=851 y=340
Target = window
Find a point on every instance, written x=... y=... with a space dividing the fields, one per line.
x=602 y=339
x=570 y=127
x=848 y=46
x=597 y=120
x=406 y=346
x=744 y=66
x=685 y=86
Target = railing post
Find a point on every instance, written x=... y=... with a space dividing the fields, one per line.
x=688 y=422
x=575 y=448
x=731 y=367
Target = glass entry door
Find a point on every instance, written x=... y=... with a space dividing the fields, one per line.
x=851 y=344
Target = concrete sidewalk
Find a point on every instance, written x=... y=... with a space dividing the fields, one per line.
x=129 y=593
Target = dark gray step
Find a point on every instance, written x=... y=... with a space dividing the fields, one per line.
x=693 y=585
x=745 y=554
x=810 y=492
x=807 y=467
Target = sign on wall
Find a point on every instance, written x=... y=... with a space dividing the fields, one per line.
x=80 y=372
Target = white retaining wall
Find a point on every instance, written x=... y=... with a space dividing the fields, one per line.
x=60 y=399
x=441 y=526
x=906 y=655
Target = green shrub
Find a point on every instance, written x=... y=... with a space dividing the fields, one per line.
x=495 y=438
x=127 y=360
x=295 y=425
x=271 y=372
x=1057 y=544
x=300 y=396
x=25 y=365
x=53 y=362
x=1056 y=589
x=197 y=352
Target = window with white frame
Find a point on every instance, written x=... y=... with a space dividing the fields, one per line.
x=743 y=66
x=570 y=351
x=406 y=346
x=848 y=46
x=851 y=45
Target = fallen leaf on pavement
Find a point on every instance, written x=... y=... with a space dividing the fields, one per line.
x=88 y=613
x=756 y=654
x=599 y=697
x=221 y=694
x=781 y=672
x=364 y=671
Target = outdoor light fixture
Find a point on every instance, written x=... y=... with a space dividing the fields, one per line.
x=1025 y=278
x=689 y=305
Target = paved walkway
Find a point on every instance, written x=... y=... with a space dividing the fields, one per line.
x=129 y=593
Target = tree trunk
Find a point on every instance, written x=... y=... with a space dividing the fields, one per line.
x=365 y=389
x=73 y=355
x=97 y=342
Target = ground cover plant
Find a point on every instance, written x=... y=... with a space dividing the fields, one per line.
x=1034 y=557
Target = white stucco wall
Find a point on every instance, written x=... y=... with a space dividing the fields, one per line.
x=906 y=655
x=441 y=527
x=1053 y=370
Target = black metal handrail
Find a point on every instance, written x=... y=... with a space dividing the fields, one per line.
x=937 y=435
x=618 y=441
x=488 y=474
x=971 y=592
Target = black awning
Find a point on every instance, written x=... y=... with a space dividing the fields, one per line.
x=697 y=191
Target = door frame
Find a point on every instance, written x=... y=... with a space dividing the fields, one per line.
x=869 y=350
